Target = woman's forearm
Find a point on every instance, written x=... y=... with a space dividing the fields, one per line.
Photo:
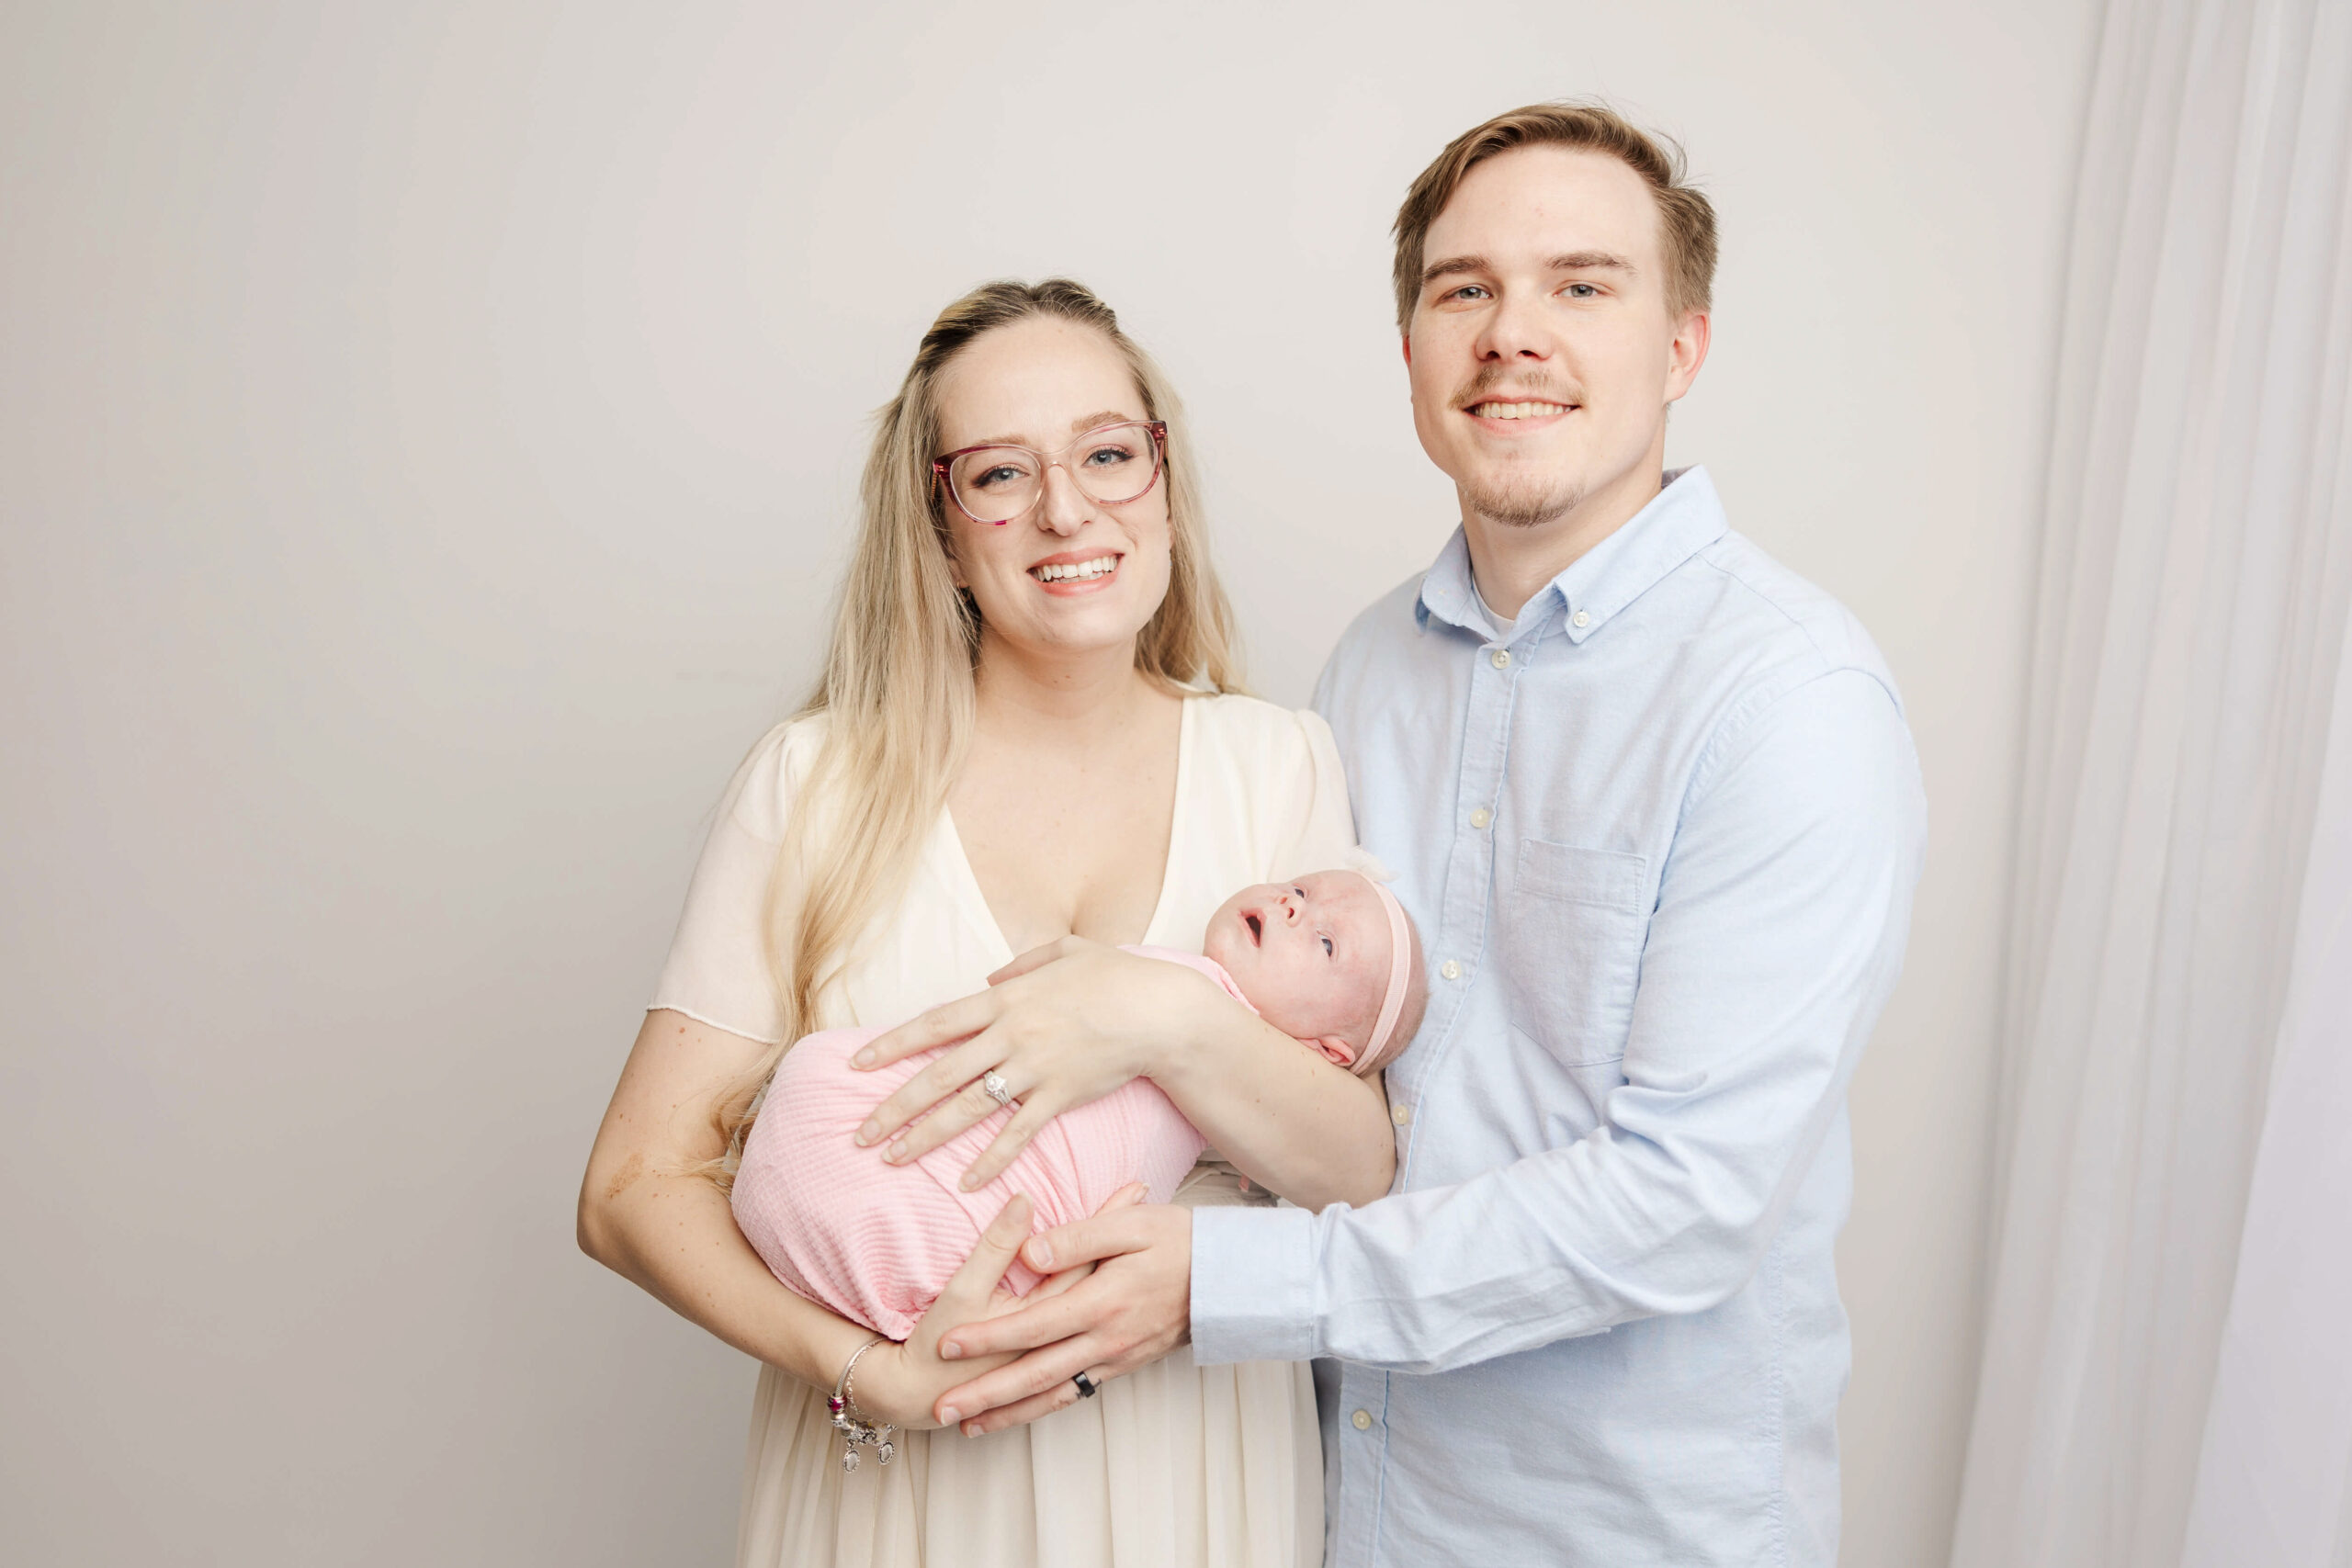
x=1286 y=1116
x=674 y=1237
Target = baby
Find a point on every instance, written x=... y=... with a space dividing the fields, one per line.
x=1329 y=959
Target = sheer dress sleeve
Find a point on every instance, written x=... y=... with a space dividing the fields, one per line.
x=717 y=971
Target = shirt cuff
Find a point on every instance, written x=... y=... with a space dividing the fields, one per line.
x=1253 y=1285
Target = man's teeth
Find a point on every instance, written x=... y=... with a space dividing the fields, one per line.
x=1101 y=565
x=1517 y=410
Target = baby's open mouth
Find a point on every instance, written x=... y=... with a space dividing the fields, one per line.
x=1256 y=932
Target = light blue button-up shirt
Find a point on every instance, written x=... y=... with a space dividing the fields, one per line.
x=1660 y=845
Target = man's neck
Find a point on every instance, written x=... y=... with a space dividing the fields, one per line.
x=1510 y=562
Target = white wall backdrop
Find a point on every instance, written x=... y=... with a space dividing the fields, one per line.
x=426 y=438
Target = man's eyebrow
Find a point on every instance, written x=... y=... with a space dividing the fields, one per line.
x=1450 y=266
x=1589 y=261
x=1570 y=260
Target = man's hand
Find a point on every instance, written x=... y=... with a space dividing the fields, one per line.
x=1134 y=1309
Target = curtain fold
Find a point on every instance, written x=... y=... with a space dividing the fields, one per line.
x=2195 y=568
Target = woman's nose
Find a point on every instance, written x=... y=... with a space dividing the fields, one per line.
x=1064 y=508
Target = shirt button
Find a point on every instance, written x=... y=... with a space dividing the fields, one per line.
x=1401 y=1114
x=1450 y=969
x=1500 y=659
x=1481 y=816
x=1361 y=1420
x=1582 y=618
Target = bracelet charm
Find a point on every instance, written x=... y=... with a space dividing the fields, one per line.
x=856 y=1429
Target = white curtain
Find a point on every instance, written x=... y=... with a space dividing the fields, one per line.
x=2172 y=893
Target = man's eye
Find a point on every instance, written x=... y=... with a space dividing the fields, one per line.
x=1583 y=291
x=1466 y=290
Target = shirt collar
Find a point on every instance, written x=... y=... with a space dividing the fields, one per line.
x=1682 y=519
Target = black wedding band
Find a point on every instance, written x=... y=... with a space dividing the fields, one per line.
x=1086 y=1385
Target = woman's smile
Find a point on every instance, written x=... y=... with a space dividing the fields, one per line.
x=1077 y=572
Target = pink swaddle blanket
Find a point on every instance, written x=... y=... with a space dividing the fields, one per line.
x=876 y=1243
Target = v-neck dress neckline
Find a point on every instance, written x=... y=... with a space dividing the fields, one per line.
x=963 y=883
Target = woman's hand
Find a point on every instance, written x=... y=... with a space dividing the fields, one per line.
x=1064 y=1025
x=902 y=1385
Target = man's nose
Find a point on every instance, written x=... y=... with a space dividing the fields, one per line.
x=1516 y=330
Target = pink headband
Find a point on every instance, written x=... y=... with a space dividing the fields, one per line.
x=1400 y=970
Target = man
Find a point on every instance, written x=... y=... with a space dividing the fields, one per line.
x=1653 y=807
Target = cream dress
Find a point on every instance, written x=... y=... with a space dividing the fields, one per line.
x=1172 y=1466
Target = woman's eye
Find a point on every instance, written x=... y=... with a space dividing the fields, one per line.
x=1002 y=474
x=1108 y=456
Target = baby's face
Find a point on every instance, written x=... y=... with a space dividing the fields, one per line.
x=1311 y=955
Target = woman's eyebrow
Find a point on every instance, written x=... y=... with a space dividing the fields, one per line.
x=1085 y=423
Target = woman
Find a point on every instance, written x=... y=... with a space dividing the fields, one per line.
x=1025 y=731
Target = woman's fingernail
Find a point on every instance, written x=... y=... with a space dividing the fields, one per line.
x=950 y=1414
x=969 y=1181
x=868 y=1132
x=897 y=1151
x=863 y=1058
x=1040 y=1255
x=950 y=1351
x=971 y=1428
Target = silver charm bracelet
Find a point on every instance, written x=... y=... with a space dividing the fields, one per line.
x=851 y=1423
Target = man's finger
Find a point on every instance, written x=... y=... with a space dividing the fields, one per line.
x=1035 y=959
x=1020 y=1412
x=1033 y=1374
x=942 y=1025
x=955 y=1068
x=1043 y=1320
x=1106 y=1233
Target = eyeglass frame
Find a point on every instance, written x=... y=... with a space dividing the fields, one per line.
x=1157 y=427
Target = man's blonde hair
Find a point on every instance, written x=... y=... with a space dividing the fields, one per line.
x=1686 y=220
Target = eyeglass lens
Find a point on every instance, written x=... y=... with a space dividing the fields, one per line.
x=1111 y=463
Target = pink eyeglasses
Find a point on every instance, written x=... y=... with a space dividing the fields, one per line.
x=1115 y=463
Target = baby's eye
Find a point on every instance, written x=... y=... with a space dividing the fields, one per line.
x=1327 y=947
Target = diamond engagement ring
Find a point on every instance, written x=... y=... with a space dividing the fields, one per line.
x=998 y=1090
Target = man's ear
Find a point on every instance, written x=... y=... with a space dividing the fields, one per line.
x=1406 y=340
x=1685 y=352
x=1334 y=1048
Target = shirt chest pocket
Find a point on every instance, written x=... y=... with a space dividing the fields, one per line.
x=1570 y=933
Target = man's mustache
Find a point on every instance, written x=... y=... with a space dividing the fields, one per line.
x=1491 y=376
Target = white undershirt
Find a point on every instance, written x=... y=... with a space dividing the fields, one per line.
x=1502 y=628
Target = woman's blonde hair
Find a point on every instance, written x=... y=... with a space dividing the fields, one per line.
x=897 y=688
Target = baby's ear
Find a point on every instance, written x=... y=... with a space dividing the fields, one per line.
x=1337 y=1049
